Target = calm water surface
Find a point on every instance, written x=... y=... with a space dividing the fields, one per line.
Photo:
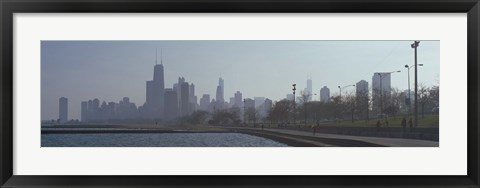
x=157 y=140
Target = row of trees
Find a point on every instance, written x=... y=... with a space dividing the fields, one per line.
x=349 y=106
x=354 y=106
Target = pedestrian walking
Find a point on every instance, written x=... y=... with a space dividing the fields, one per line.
x=404 y=124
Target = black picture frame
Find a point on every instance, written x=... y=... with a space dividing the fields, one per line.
x=9 y=7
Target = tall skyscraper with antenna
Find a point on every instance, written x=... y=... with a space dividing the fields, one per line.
x=220 y=94
x=155 y=102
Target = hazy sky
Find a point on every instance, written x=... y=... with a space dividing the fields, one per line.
x=111 y=70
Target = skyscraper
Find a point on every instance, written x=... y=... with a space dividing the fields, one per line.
x=238 y=100
x=63 y=110
x=308 y=90
x=184 y=99
x=181 y=80
x=171 y=104
x=220 y=94
x=381 y=88
x=205 y=102
x=156 y=91
x=192 y=97
x=259 y=101
x=249 y=104
x=361 y=88
x=362 y=98
x=325 y=94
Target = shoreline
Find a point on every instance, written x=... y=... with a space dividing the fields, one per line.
x=288 y=139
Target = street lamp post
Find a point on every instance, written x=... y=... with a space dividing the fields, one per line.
x=344 y=88
x=341 y=93
x=409 y=92
x=415 y=46
x=244 y=113
x=294 y=112
x=381 y=89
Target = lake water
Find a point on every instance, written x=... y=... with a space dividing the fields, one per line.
x=157 y=140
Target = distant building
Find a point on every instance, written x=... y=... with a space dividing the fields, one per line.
x=220 y=94
x=171 y=105
x=181 y=80
x=325 y=94
x=259 y=101
x=308 y=90
x=361 y=94
x=192 y=98
x=381 y=90
x=184 y=98
x=63 y=110
x=155 y=93
x=249 y=103
x=205 y=102
x=265 y=107
x=95 y=114
x=238 y=100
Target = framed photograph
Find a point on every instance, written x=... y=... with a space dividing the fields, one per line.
x=233 y=93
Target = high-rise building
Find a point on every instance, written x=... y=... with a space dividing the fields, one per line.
x=361 y=94
x=95 y=109
x=184 y=99
x=268 y=104
x=63 y=109
x=249 y=103
x=265 y=107
x=238 y=100
x=381 y=90
x=259 y=101
x=308 y=90
x=361 y=89
x=205 y=102
x=325 y=94
x=220 y=94
x=181 y=80
x=171 y=104
x=192 y=97
x=156 y=91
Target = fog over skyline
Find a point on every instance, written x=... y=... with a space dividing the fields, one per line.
x=111 y=70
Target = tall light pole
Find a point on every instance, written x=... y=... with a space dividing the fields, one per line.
x=294 y=112
x=244 y=113
x=341 y=93
x=381 y=88
x=415 y=46
x=344 y=88
x=409 y=92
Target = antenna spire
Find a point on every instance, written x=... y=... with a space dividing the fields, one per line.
x=156 y=52
x=161 y=56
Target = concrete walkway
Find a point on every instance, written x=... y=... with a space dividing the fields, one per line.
x=391 y=142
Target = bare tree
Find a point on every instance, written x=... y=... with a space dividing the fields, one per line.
x=304 y=100
x=349 y=102
x=280 y=111
x=423 y=98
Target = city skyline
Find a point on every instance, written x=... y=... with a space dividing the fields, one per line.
x=63 y=63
